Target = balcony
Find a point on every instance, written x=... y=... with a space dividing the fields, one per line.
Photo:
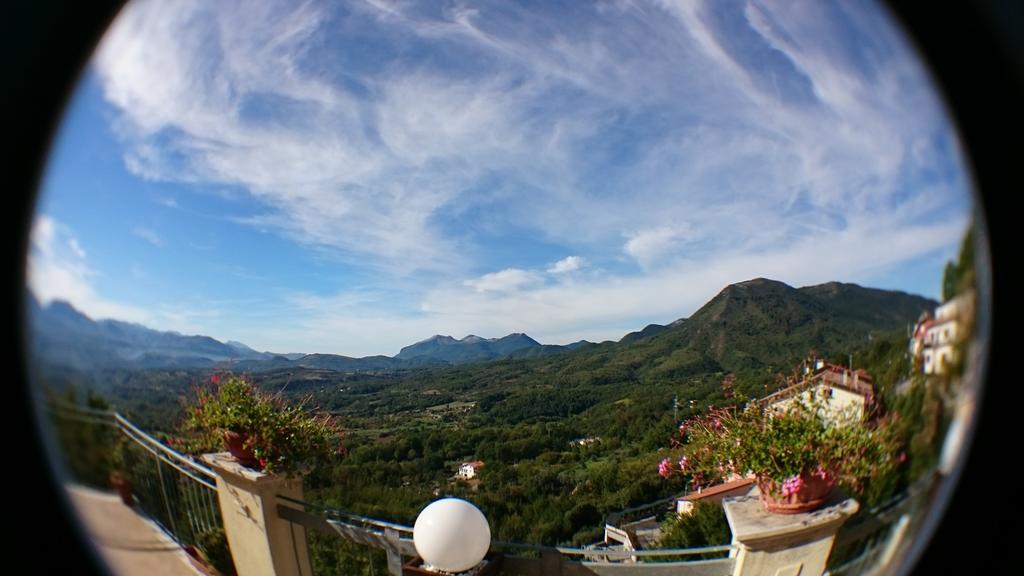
x=178 y=501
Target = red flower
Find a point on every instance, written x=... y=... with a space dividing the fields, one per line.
x=214 y=378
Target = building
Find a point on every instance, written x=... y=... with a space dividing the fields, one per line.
x=933 y=343
x=468 y=470
x=737 y=486
x=847 y=393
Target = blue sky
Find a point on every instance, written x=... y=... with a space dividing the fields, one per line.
x=354 y=177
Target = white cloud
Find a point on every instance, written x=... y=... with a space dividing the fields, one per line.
x=567 y=264
x=647 y=247
x=507 y=280
x=58 y=270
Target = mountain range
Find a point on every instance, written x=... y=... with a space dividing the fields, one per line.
x=748 y=324
x=63 y=336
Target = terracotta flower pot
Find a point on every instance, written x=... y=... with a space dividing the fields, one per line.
x=813 y=492
x=236 y=446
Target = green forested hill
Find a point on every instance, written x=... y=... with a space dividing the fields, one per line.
x=767 y=324
x=758 y=330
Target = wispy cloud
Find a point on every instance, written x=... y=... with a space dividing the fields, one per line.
x=381 y=153
x=707 y=140
x=149 y=235
x=166 y=202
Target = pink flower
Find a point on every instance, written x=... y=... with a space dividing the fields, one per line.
x=792 y=485
x=214 y=378
x=717 y=423
x=682 y=463
x=902 y=457
x=664 y=468
x=682 y=428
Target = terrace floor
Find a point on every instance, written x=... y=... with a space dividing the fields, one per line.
x=127 y=541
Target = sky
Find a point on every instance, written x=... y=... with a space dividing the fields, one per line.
x=353 y=177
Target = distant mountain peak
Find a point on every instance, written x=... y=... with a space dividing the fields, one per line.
x=438 y=338
x=761 y=283
x=471 y=348
x=516 y=336
x=63 y=307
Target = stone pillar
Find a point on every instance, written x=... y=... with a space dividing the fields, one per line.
x=261 y=543
x=784 y=544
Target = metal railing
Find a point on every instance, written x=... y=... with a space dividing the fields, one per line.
x=657 y=509
x=521 y=559
x=175 y=491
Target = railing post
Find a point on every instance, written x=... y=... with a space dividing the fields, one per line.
x=262 y=544
x=394 y=551
x=895 y=539
x=784 y=544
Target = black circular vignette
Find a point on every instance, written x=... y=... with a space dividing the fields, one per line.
x=976 y=54
x=47 y=42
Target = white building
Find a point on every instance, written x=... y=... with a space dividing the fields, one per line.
x=846 y=393
x=468 y=470
x=934 y=339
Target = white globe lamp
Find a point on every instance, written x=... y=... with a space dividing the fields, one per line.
x=451 y=535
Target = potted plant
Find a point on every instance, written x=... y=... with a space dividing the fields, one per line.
x=797 y=453
x=260 y=430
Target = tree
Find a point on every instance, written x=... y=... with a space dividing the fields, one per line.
x=949 y=281
x=706 y=525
